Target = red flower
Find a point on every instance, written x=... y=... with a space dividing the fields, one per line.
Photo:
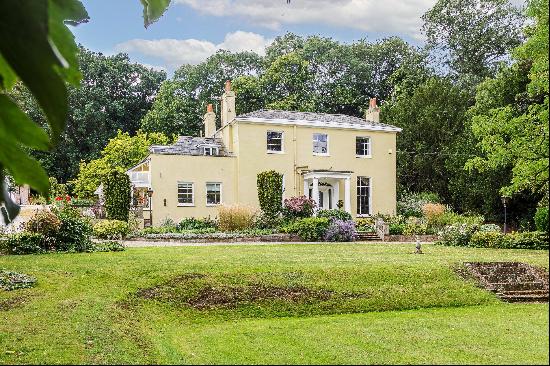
x=68 y=198
x=58 y=198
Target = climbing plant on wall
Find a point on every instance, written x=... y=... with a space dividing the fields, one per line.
x=117 y=195
x=270 y=192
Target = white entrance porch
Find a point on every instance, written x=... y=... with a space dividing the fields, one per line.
x=323 y=186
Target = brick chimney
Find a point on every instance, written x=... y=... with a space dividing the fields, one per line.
x=209 y=122
x=373 y=113
x=228 y=104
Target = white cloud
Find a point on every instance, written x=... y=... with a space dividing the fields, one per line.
x=387 y=16
x=176 y=52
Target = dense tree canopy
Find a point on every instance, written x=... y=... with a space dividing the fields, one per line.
x=510 y=117
x=473 y=36
x=114 y=95
x=121 y=153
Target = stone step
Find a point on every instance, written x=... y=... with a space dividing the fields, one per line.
x=525 y=298
x=510 y=278
x=526 y=293
x=519 y=286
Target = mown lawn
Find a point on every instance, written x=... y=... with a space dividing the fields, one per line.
x=348 y=303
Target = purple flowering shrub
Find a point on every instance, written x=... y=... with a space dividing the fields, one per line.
x=340 y=230
x=298 y=207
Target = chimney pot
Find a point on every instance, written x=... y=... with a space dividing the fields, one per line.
x=209 y=108
x=228 y=86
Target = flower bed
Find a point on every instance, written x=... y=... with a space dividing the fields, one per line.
x=218 y=237
x=410 y=238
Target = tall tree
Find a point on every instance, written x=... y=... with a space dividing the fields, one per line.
x=180 y=105
x=472 y=37
x=114 y=95
x=510 y=117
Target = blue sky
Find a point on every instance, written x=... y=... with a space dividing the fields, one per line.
x=191 y=30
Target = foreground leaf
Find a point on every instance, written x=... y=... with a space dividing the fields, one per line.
x=153 y=10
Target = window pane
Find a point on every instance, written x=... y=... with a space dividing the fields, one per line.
x=274 y=141
x=213 y=193
x=362 y=146
x=185 y=193
x=363 y=195
x=320 y=143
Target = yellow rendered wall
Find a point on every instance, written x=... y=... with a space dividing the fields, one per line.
x=167 y=170
x=298 y=149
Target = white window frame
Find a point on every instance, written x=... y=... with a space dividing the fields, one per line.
x=282 y=151
x=206 y=194
x=361 y=214
x=192 y=195
x=369 y=155
x=313 y=144
x=213 y=150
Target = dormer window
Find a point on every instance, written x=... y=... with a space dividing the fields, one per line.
x=211 y=150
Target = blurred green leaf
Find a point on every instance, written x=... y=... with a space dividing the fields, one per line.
x=7 y=76
x=153 y=10
x=14 y=124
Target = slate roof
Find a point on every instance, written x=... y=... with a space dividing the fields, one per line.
x=310 y=116
x=188 y=145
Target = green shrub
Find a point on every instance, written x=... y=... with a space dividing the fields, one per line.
x=457 y=235
x=117 y=190
x=309 y=229
x=107 y=246
x=192 y=223
x=397 y=229
x=541 y=219
x=335 y=215
x=27 y=243
x=13 y=281
x=520 y=240
x=75 y=231
x=410 y=204
x=490 y=228
x=365 y=224
x=44 y=222
x=526 y=240
x=263 y=221
x=111 y=229
x=486 y=239
x=270 y=192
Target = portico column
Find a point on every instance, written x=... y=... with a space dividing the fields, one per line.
x=315 y=194
x=336 y=194
x=306 y=188
x=347 y=194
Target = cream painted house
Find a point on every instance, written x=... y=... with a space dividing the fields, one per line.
x=329 y=157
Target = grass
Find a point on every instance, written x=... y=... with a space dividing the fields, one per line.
x=385 y=305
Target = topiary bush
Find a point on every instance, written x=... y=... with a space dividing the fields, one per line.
x=270 y=192
x=117 y=190
x=43 y=222
x=111 y=229
x=335 y=215
x=341 y=230
x=298 y=207
x=310 y=228
x=541 y=219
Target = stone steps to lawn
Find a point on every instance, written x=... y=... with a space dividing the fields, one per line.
x=511 y=281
